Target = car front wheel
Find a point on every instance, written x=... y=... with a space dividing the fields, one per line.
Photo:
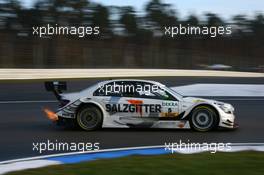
x=203 y=118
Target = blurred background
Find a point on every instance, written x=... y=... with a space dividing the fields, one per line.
x=129 y=37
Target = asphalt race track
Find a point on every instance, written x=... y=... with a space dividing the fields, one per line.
x=23 y=122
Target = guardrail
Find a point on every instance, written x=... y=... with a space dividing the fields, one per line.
x=41 y=74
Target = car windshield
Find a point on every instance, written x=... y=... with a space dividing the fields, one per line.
x=170 y=90
x=173 y=91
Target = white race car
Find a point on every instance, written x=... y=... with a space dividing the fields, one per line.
x=130 y=103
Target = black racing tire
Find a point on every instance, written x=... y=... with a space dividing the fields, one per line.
x=89 y=118
x=203 y=118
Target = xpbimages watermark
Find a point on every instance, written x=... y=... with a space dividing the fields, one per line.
x=196 y=147
x=80 y=31
x=212 y=31
x=130 y=88
x=48 y=145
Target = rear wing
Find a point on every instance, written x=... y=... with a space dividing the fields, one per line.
x=56 y=87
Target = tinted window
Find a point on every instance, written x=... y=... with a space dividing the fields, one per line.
x=108 y=89
x=155 y=92
x=129 y=89
x=133 y=89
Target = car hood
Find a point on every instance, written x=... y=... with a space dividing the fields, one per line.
x=196 y=100
x=193 y=100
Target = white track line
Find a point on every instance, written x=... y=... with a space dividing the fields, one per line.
x=107 y=150
x=38 y=74
x=55 y=101
x=221 y=90
x=19 y=166
x=241 y=99
x=30 y=101
x=40 y=161
x=82 y=152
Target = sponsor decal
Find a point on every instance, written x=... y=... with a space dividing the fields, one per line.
x=169 y=113
x=169 y=103
x=147 y=108
x=137 y=103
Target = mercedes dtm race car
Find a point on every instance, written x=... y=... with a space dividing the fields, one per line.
x=137 y=104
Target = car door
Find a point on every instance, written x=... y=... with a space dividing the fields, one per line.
x=109 y=98
x=129 y=102
x=151 y=102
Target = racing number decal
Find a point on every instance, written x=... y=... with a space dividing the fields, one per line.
x=168 y=105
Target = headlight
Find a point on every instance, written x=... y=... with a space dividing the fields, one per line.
x=227 y=108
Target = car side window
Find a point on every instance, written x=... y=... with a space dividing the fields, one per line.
x=164 y=95
x=154 y=91
x=129 y=89
x=145 y=90
x=108 y=89
x=134 y=89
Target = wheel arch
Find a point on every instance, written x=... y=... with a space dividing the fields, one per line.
x=90 y=103
x=207 y=105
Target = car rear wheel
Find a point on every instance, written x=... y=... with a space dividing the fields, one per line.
x=203 y=118
x=89 y=118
